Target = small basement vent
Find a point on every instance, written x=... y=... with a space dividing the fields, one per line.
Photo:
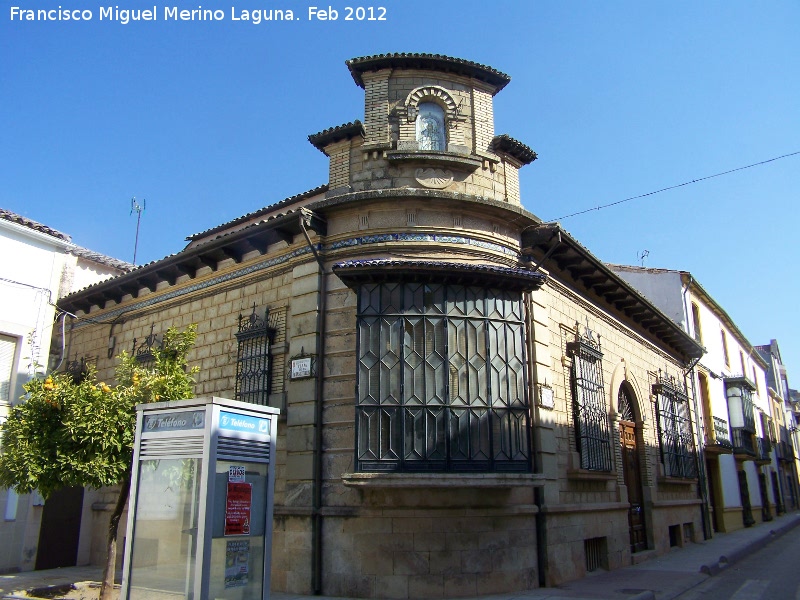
x=595 y=550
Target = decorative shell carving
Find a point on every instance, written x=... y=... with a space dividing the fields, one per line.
x=434 y=178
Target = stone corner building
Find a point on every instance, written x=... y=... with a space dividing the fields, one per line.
x=489 y=408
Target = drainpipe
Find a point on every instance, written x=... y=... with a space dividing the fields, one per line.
x=538 y=492
x=316 y=507
x=702 y=491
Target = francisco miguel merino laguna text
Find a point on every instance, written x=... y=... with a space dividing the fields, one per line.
x=175 y=13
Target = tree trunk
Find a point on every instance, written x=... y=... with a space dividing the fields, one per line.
x=107 y=586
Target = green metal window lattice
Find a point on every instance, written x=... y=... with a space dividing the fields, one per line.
x=441 y=379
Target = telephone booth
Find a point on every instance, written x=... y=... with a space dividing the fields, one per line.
x=200 y=509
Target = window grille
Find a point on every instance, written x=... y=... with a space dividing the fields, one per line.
x=253 y=360
x=143 y=353
x=674 y=429
x=441 y=379
x=589 y=412
x=595 y=550
x=78 y=369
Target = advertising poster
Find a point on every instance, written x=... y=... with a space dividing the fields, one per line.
x=237 y=561
x=238 y=502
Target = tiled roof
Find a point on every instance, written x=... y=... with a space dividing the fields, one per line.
x=334 y=134
x=102 y=259
x=229 y=245
x=565 y=256
x=7 y=215
x=433 y=62
x=244 y=218
x=440 y=271
x=505 y=143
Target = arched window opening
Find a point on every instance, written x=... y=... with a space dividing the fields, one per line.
x=625 y=405
x=430 y=127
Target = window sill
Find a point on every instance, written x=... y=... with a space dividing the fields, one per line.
x=676 y=480
x=444 y=159
x=443 y=480
x=588 y=475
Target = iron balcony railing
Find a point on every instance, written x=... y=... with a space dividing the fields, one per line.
x=784 y=451
x=743 y=441
x=763 y=449
x=721 y=435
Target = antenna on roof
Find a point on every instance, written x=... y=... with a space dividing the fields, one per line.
x=139 y=208
x=640 y=256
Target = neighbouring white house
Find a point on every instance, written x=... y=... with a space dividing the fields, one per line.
x=736 y=421
x=39 y=265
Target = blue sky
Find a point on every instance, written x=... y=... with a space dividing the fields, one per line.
x=208 y=121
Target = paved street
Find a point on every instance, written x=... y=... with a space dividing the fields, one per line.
x=771 y=573
x=761 y=561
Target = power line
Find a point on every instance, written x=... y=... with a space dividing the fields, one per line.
x=672 y=187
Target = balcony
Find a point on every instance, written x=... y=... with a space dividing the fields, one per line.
x=784 y=451
x=763 y=448
x=718 y=440
x=743 y=445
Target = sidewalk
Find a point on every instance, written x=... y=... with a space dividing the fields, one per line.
x=662 y=578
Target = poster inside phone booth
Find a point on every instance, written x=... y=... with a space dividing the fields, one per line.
x=200 y=515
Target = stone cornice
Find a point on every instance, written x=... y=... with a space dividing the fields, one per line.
x=431 y=62
x=507 y=145
x=336 y=134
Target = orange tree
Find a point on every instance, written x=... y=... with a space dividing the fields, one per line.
x=68 y=433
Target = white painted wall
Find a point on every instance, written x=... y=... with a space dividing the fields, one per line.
x=35 y=269
x=661 y=287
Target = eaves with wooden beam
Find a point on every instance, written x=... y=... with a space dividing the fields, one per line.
x=567 y=260
x=256 y=237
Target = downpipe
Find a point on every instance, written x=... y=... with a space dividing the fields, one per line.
x=538 y=492
x=316 y=507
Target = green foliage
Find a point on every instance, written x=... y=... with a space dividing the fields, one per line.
x=81 y=434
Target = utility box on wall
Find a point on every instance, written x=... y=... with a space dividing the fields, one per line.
x=200 y=514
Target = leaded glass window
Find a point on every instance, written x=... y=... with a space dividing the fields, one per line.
x=253 y=361
x=430 y=127
x=674 y=429
x=441 y=379
x=589 y=411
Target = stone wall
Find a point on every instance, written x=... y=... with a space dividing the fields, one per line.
x=581 y=505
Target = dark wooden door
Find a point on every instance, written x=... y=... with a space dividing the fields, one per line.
x=633 y=481
x=744 y=493
x=60 y=531
x=712 y=469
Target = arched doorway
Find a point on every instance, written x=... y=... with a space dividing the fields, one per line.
x=631 y=468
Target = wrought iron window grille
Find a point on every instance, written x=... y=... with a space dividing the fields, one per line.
x=143 y=353
x=254 y=336
x=721 y=435
x=674 y=428
x=441 y=379
x=589 y=411
x=77 y=368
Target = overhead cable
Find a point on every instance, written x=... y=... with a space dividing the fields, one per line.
x=672 y=187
